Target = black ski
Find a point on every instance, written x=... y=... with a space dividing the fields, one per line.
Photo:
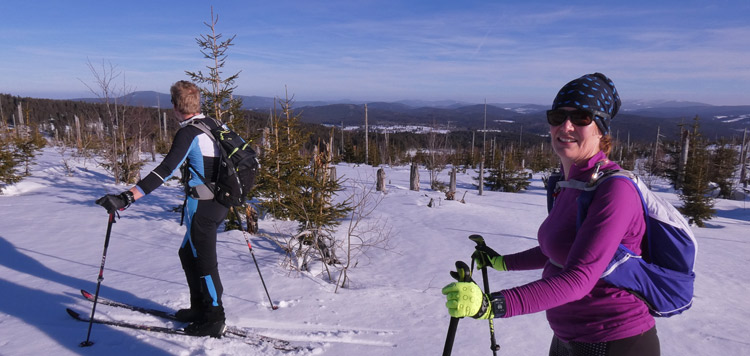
x=161 y=329
x=155 y=312
x=231 y=330
x=251 y=338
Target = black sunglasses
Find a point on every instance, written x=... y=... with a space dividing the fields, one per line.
x=578 y=117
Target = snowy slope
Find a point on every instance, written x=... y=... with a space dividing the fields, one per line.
x=52 y=234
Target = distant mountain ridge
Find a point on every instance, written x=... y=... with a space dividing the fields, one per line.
x=639 y=120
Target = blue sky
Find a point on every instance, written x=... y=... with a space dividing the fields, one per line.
x=501 y=51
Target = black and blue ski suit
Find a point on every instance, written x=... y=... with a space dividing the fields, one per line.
x=202 y=214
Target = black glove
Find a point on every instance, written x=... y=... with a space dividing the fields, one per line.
x=113 y=202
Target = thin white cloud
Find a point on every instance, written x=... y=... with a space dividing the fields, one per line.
x=509 y=50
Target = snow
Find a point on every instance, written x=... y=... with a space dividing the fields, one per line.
x=51 y=244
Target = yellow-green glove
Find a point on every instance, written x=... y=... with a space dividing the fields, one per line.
x=466 y=299
x=485 y=256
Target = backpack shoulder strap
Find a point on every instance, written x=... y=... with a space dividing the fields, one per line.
x=588 y=189
x=208 y=131
x=205 y=128
x=552 y=188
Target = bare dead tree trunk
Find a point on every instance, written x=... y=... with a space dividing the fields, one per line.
x=330 y=146
x=380 y=186
x=743 y=160
x=104 y=89
x=3 y=123
x=414 y=178
x=682 y=164
x=20 y=115
x=484 y=132
x=387 y=152
x=453 y=180
x=481 y=176
x=451 y=194
x=341 y=144
x=471 y=154
x=164 y=122
x=20 y=128
x=79 y=143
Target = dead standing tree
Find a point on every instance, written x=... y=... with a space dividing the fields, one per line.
x=105 y=89
x=364 y=231
x=414 y=177
x=743 y=160
x=436 y=159
x=380 y=185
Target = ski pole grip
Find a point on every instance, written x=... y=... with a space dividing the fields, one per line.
x=478 y=239
x=462 y=273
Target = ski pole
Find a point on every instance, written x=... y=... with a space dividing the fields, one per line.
x=485 y=280
x=99 y=280
x=462 y=274
x=249 y=246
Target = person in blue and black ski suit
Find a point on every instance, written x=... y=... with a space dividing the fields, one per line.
x=203 y=215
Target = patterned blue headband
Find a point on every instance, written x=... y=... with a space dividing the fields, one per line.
x=591 y=92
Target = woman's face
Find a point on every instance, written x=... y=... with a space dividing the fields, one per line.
x=575 y=144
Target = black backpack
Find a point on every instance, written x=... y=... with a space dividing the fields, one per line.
x=238 y=165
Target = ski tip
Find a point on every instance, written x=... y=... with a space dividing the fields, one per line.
x=72 y=313
x=86 y=294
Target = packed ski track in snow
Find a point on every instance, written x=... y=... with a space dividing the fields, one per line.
x=52 y=238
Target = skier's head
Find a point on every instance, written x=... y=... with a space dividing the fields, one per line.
x=186 y=97
x=594 y=93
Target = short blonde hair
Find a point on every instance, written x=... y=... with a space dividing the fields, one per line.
x=186 y=97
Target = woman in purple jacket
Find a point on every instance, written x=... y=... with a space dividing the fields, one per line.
x=587 y=315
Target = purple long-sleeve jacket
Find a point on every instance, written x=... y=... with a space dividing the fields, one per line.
x=580 y=306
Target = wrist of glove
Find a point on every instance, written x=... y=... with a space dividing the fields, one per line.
x=466 y=299
x=115 y=202
x=484 y=256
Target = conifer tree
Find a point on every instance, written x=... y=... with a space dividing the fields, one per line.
x=17 y=154
x=672 y=151
x=698 y=204
x=543 y=159
x=317 y=212
x=283 y=168
x=507 y=174
x=26 y=147
x=723 y=166
x=298 y=187
x=9 y=162
x=218 y=99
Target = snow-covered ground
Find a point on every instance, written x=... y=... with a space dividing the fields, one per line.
x=52 y=234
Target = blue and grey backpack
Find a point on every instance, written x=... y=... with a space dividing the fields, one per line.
x=663 y=277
